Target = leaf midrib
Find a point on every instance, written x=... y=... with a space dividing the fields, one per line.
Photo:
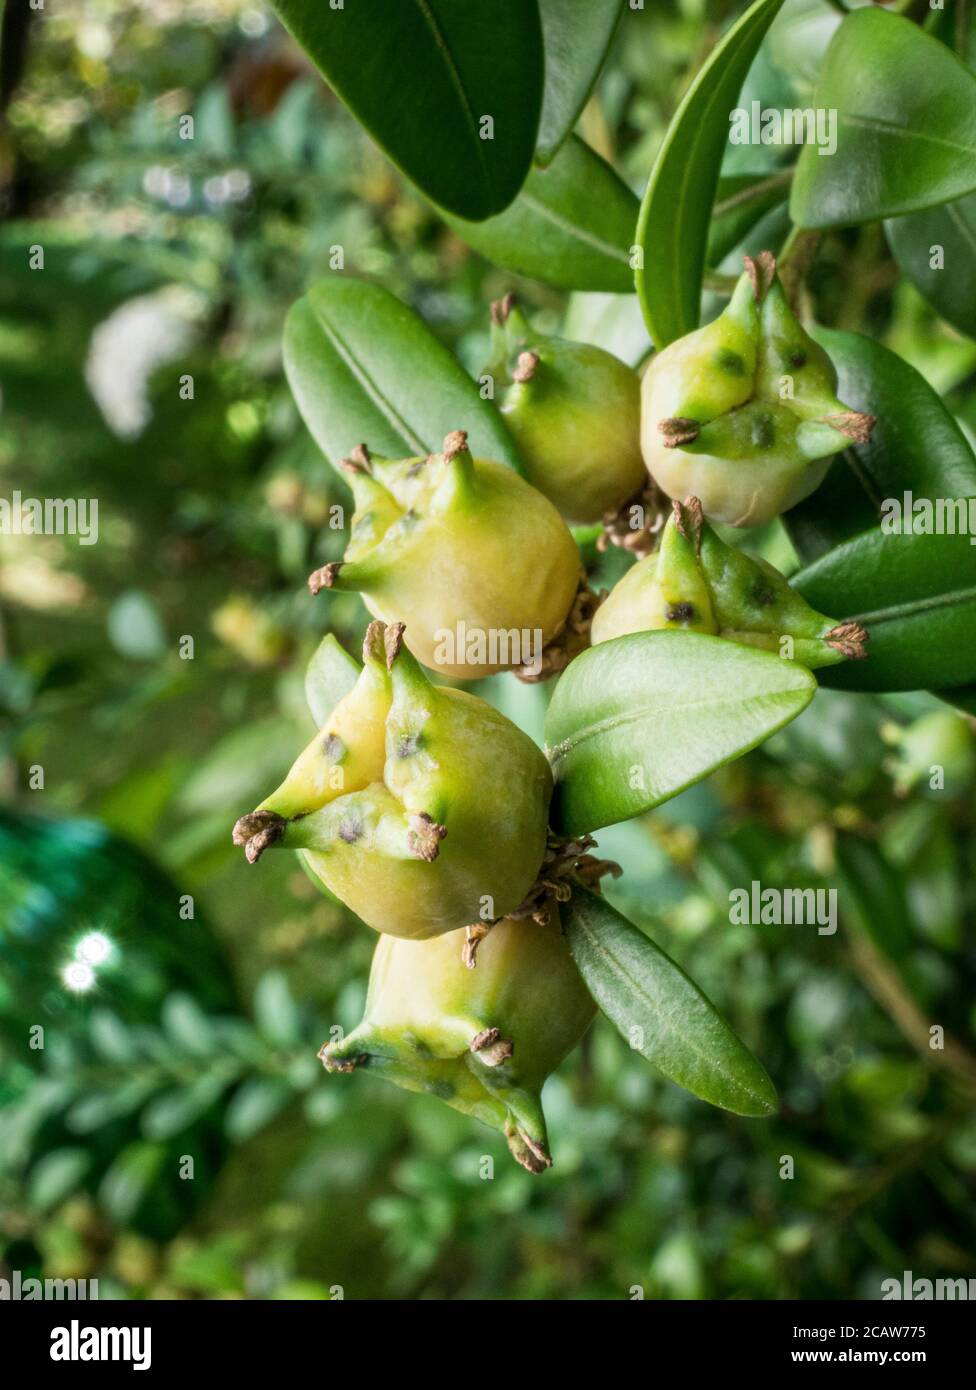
x=627 y=717
x=580 y=233
x=369 y=386
x=884 y=127
x=455 y=75
x=703 y=1058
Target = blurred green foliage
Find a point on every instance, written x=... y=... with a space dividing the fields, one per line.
x=166 y=258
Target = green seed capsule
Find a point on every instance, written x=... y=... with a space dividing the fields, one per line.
x=574 y=411
x=743 y=413
x=420 y=807
x=694 y=581
x=475 y=562
x=483 y=1040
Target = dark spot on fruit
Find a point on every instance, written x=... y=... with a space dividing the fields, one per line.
x=763 y=431
x=350 y=829
x=443 y=1090
x=333 y=747
x=762 y=593
x=729 y=362
x=798 y=359
x=681 y=613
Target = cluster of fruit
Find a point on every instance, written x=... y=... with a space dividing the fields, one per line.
x=425 y=810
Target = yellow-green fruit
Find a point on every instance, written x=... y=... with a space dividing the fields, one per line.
x=421 y=808
x=483 y=1040
x=574 y=411
x=695 y=582
x=742 y=413
x=476 y=563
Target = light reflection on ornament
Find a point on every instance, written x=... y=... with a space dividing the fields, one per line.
x=78 y=976
x=93 y=948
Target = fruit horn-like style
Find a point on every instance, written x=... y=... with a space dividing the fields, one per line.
x=743 y=412
x=574 y=411
x=696 y=582
x=478 y=564
x=482 y=1040
x=420 y=807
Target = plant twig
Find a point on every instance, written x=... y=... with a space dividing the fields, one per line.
x=884 y=982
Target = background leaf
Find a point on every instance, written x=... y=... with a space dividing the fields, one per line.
x=365 y=369
x=572 y=225
x=916 y=446
x=951 y=290
x=661 y=1012
x=740 y=202
x=636 y=720
x=330 y=675
x=674 y=217
x=916 y=593
x=255 y=1104
x=576 y=37
x=451 y=65
x=906 y=125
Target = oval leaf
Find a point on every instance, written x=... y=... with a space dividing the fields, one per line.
x=674 y=218
x=576 y=35
x=916 y=446
x=951 y=287
x=634 y=721
x=572 y=225
x=906 y=125
x=330 y=675
x=453 y=68
x=916 y=595
x=638 y=987
x=364 y=368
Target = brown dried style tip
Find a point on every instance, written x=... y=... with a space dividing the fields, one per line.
x=424 y=837
x=491 y=1047
x=392 y=643
x=849 y=640
x=325 y=577
x=689 y=516
x=526 y=368
x=501 y=308
x=256 y=831
x=678 y=431
x=857 y=426
x=359 y=461
x=341 y=1064
x=762 y=272
x=455 y=443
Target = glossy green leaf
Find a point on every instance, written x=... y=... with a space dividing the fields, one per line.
x=576 y=36
x=946 y=235
x=364 y=368
x=423 y=75
x=636 y=720
x=906 y=125
x=330 y=675
x=661 y=1013
x=740 y=202
x=916 y=595
x=916 y=446
x=572 y=225
x=675 y=214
